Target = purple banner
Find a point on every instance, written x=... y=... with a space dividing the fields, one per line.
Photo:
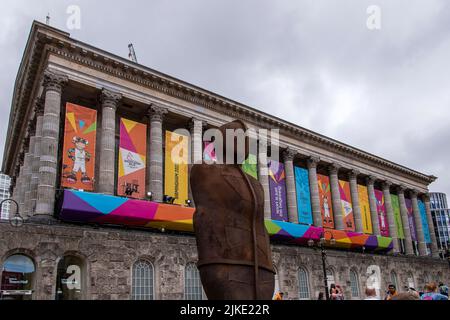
x=277 y=186
x=412 y=223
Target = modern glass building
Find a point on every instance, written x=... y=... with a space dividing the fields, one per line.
x=441 y=218
x=5 y=182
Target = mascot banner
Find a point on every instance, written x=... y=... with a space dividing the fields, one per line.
x=176 y=167
x=326 y=207
x=363 y=195
x=277 y=187
x=382 y=213
x=346 y=205
x=78 y=163
x=411 y=222
x=397 y=216
x=303 y=196
x=132 y=159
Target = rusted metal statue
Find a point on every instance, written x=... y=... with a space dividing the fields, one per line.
x=235 y=259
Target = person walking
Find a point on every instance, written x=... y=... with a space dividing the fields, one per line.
x=443 y=289
x=431 y=293
x=391 y=292
x=336 y=292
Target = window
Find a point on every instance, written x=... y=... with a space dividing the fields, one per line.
x=193 y=289
x=143 y=281
x=330 y=278
x=303 y=284
x=394 y=279
x=354 y=284
x=17 y=278
x=411 y=282
x=69 y=279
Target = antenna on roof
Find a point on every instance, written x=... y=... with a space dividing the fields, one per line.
x=132 y=54
x=47 y=19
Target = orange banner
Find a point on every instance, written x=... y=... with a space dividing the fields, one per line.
x=78 y=165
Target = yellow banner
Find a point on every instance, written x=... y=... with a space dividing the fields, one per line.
x=176 y=167
x=363 y=195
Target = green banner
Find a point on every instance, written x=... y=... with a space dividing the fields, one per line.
x=397 y=216
x=250 y=166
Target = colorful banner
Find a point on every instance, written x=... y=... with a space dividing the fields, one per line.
x=326 y=205
x=423 y=218
x=303 y=196
x=176 y=167
x=382 y=213
x=412 y=223
x=250 y=166
x=209 y=153
x=397 y=216
x=132 y=159
x=78 y=163
x=364 y=205
x=346 y=205
x=277 y=187
x=85 y=207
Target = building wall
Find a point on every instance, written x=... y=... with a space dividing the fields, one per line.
x=109 y=255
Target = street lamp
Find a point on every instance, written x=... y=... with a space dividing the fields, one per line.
x=321 y=245
x=17 y=220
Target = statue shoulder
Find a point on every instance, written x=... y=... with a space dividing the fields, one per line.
x=201 y=169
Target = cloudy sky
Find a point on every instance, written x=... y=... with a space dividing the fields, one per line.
x=315 y=63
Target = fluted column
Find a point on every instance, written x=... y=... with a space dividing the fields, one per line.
x=353 y=178
x=109 y=101
x=336 y=196
x=28 y=164
x=263 y=176
x=48 y=165
x=39 y=112
x=155 y=168
x=434 y=247
x=312 y=163
x=19 y=192
x=409 y=250
x=419 y=228
x=196 y=157
x=390 y=216
x=373 y=205
x=291 y=194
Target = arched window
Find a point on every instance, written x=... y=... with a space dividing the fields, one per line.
x=193 y=289
x=330 y=278
x=303 y=284
x=17 y=278
x=70 y=279
x=354 y=284
x=411 y=282
x=394 y=280
x=143 y=281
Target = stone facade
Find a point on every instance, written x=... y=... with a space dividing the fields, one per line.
x=109 y=255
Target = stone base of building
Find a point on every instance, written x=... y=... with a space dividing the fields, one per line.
x=109 y=255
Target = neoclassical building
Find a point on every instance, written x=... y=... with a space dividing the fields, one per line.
x=108 y=215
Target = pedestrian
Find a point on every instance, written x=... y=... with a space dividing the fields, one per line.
x=443 y=289
x=321 y=296
x=431 y=293
x=336 y=292
x=391 y=292
x=410 y=295
x=279 y=296
x=371 y=294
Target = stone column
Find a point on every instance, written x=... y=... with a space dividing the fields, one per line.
x=19 y=192
x=373 y=205
x=39 y=112
x=390 y=216
x=336 y=196
x=312 y=163
x=419 y=227
x=48 y=165
x=353 y=178
x=291 y=194
x=155 y=167
x=434 y=247
x=263 y=177
x=196 y=157
x=405 y=222
x=109 y=101
x=28 y=163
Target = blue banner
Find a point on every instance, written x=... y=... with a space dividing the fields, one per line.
x=423 y=217
x=303 y=196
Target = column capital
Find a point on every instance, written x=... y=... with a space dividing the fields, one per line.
x=401 y=189
x=110 y=98
x=39 y=106
x=386 y=185
x=312 y=161
x=156 y=112
x=353 y=174
x=371 y=180
x=193 y=120
x=426 y=197
x=413 y=193
x=334 y=168
x=54 y=81
x=289 y=154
